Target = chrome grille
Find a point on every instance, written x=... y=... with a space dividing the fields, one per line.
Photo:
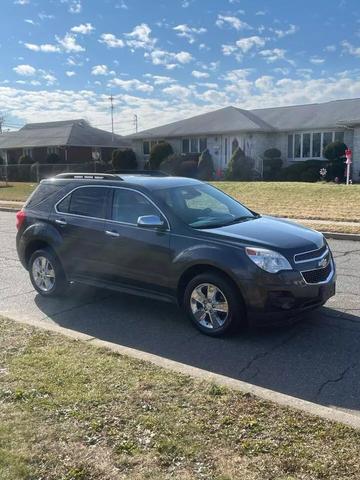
x=311 y=255
x=318 y=275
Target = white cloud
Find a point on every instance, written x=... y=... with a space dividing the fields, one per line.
x=45 y=16
x=246 y=44
x=130 y=85
x=75 y=6
x=231 y=21
x=68 y=43
x=177 y=91
x=290 y=31
x=25 y=70
x=29 y=21
x=317 y=60
x=70 y=73
x=260 y=13
x=264 y=83
x=46 y=47
x=83 y=28
x=330 y=48
x=140 y=37
x=350 y=49
x=122 y=5
x=111 y=41
x=100 y=70
x=273 y=55
x=50 y=79
x=22 y=2
x=169 y=60
x=188 y=32
x=197 y=74
x=159 y=79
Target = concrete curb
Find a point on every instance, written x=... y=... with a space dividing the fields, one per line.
x=335 y=235
x=282 y=399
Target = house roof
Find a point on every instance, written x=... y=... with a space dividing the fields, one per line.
x=233 y=119
x=76 y=133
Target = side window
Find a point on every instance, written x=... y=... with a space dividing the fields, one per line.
x=128 y=206
x=87 y=201
x=63 y=206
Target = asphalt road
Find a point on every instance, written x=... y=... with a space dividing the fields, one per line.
x=317 y=359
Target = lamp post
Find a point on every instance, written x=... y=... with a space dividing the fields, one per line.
x=348 y=155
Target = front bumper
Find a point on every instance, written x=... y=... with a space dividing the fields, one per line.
x=283 y=301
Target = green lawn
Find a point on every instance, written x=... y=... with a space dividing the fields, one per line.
x=71 y=411
x=289 y=199
x=16 y=191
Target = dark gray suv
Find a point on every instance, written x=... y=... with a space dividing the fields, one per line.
x=176 y=239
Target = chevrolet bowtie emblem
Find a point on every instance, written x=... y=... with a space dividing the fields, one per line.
x=324 y=262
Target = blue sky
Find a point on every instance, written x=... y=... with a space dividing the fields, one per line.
x=168 y=59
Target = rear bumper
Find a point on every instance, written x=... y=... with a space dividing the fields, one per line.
x=282 y=304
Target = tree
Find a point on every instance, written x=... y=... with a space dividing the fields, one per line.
x=240 y=167
x=205 y=166
x=272 y=163
x=172 y=164
x=158 y=153
x=124 y=159
x=334 y=151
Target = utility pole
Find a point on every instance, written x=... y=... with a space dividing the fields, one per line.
x=111 y=98
x=2 y=119
x=136 y=123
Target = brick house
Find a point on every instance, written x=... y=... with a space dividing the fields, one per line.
x=74 y=141
x=300 y=132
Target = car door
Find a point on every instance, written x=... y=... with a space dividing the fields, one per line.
x=138 y=256
x=80 y=220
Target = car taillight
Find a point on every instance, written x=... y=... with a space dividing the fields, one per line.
x=20 y=218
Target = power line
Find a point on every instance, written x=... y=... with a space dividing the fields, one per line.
x=111 y=98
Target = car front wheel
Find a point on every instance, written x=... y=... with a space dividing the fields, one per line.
x=213 y=304
x=46 y=273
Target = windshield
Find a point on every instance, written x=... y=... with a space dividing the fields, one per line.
x=203 y=206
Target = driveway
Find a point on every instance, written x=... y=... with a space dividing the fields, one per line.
x=317 y=359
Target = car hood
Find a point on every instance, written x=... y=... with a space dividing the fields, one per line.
x=270 y=232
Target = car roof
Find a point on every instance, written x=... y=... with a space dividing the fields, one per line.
x=142 y=181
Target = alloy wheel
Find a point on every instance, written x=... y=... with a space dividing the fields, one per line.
x=43 y=273
x=209 y=306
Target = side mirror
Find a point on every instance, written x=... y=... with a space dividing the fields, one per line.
x=150 y=221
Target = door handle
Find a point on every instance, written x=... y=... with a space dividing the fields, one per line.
x=111 y=233
x=60 y=221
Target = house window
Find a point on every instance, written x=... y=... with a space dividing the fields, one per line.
x=316 y=145
x=27 y=152
x=52 y=150
x=234 y=145
x=194 y=146
x=202 y=144
x=185 y=145
x=327 y=138
x=290 y=146
x=297 y=145
x=146 y=148
x=306 y=145
x=339 y=137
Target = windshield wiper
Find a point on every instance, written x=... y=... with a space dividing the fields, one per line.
x=225 y=224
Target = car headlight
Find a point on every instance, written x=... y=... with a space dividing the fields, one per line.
x=268 y=260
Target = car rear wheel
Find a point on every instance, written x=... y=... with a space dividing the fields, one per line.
x=46 y=273
x=213 y=304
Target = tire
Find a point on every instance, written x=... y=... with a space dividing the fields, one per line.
x=46 y=273
x=207 y=291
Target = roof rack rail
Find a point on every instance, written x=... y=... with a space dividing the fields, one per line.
x=149 y=173
x=89 y=176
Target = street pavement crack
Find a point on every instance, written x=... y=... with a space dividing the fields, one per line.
x=335 y=380
x=266 y=353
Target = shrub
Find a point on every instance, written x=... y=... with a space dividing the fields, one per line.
x=272 y=153
x=158 y=153
x=306 y=171
x=206 y=166
x=171 y=165
x=240 y=167
x=124 y=159
x=188 y=168
x=335 y=151
x=272 y=164
x=53 y=158
x=25 y=160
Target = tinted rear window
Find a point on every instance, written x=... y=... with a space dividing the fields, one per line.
x=44 y=191
x=87 y=201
